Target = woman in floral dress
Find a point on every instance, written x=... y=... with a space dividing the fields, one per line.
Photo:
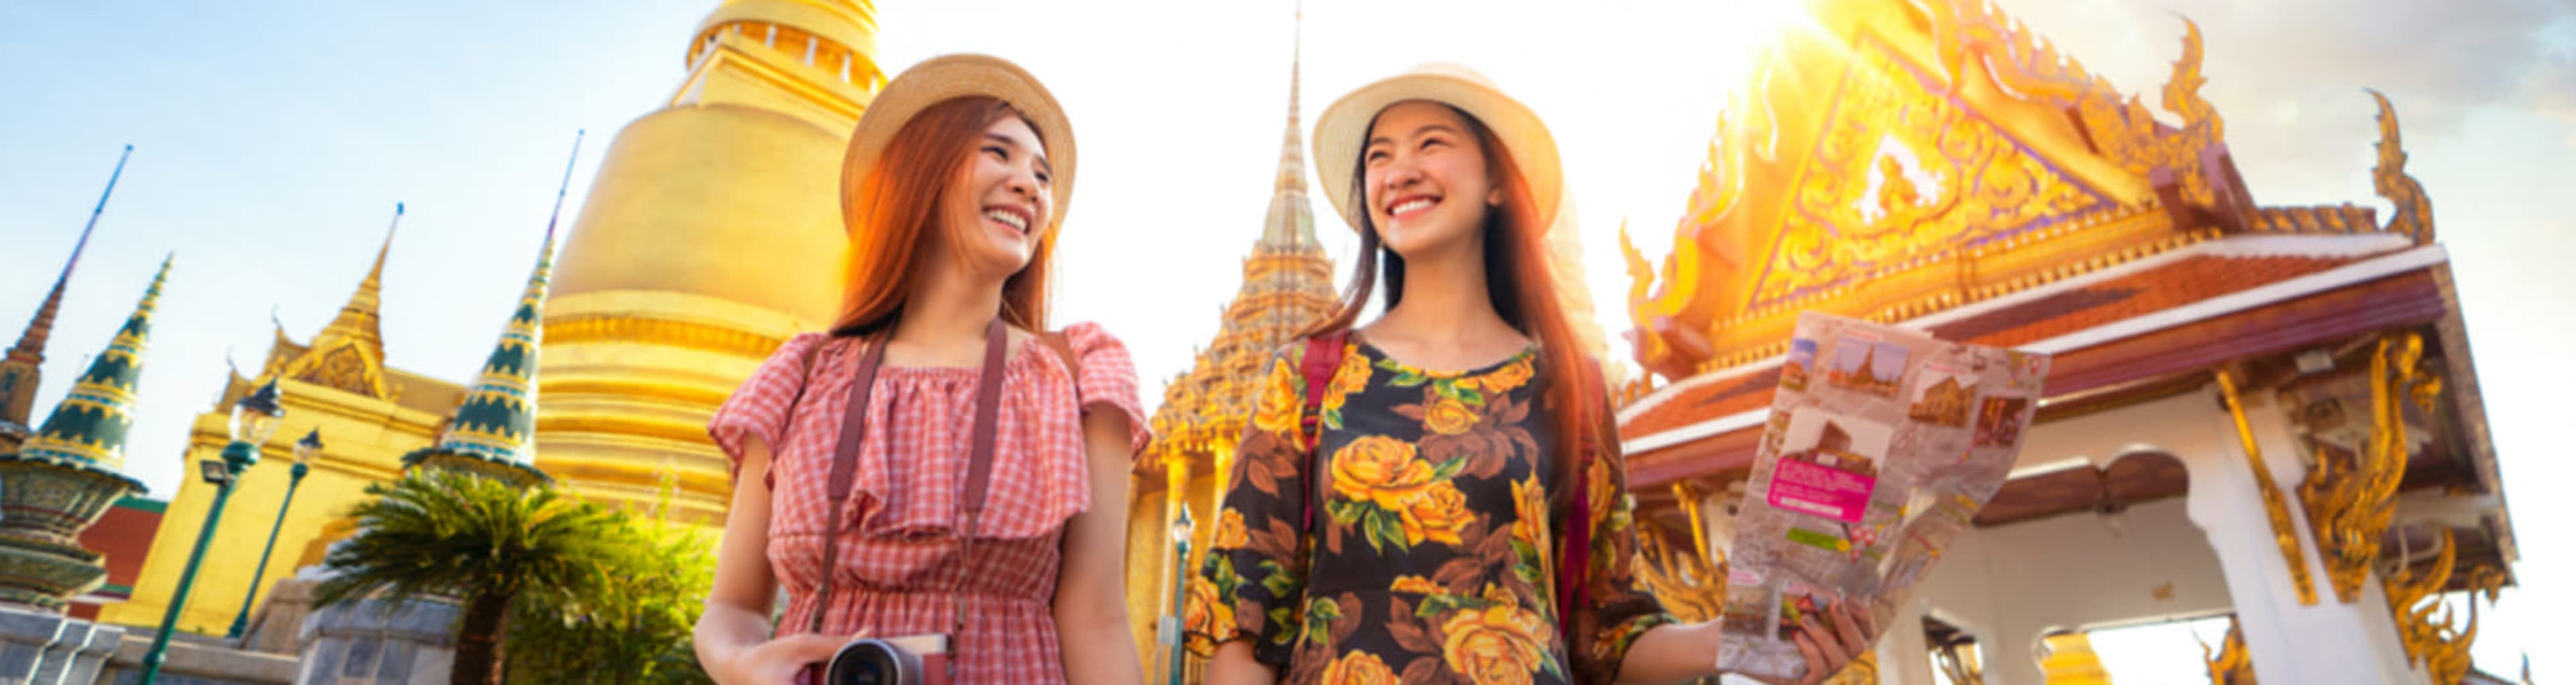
x=1448 y=443
x=951 y=191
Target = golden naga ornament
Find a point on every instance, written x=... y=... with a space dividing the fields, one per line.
x=2231 y=665
x=1691 y=586
x=2440 y=645
x=2351 y=496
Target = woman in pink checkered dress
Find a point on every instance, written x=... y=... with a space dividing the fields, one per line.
x=950 y=193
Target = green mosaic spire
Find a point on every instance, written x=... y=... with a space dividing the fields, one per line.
x=497 y=421
x=495 y=428
x=87 y=430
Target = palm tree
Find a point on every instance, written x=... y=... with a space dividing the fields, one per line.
x=441 y=535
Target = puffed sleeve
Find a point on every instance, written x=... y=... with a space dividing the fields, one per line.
x=759 y=409
x=1255 y=571
x=1108 y=379
x=1616 y=610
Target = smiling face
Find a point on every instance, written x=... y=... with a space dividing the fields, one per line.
x=1425 y=177
x=1003 y=201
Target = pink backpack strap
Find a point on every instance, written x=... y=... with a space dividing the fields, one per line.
x=1574 y=560
x=1323 y=357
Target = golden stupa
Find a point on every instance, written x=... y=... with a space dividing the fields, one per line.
x=712 y=234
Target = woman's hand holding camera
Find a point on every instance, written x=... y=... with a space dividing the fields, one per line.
x=776 y=662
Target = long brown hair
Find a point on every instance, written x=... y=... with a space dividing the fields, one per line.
x=1523 y=291
x=887 y=209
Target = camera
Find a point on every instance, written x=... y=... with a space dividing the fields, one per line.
x=907 y=660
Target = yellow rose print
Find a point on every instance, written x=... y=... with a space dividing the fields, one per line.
x=1351 y=377
x=1438 y=514
x=1205 y=613
x=1598 y=480
x=1500 y=645
x=1448 y=416
x=1281 y=407
x=1529 y=509
x=1359 y=668
x=1380 y=469
x=1229 y=531
x=1512 y=375
x=1415 y=584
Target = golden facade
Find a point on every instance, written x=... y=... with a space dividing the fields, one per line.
x=742 y=166
x=369 y=415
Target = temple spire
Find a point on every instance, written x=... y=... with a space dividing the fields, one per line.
x=1291 y=221
x=360 y=320
x=87 y=430
x=19 y=372
x=349 y=354
x=494 y=429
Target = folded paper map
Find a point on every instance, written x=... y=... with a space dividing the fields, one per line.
x=1882 y=444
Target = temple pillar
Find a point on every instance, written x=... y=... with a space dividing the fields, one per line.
x=2290 y=640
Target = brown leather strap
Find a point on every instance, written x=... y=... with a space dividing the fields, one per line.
x=988 y=401
x=845 y=455
x=845 y=458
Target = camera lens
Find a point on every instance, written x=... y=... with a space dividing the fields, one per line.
x=869 y=662
x=867 y=673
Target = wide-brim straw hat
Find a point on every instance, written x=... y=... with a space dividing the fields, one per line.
x=948 y=77
x=1344 y=128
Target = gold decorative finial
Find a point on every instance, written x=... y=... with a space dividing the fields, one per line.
x=2414 y=217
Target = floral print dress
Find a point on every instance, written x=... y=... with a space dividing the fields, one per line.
x=1433 y=558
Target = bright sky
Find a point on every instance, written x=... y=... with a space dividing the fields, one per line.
x=273 y=138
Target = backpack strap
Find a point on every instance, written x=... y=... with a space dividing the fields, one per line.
x=1323 y=357
x=1574 y=559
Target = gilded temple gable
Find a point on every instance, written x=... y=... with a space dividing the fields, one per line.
x=1902 y=171
x=1917 y=156
x=349 y=354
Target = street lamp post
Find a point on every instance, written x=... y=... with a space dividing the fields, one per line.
x=254 y=418
x=1176 y=637
x=305 y=451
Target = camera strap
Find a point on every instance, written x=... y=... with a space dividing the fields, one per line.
x=979 y=470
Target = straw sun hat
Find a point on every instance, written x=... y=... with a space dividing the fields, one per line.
x=949 y=77
x=1344 y=127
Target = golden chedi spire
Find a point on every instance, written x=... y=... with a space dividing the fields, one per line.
x=349 y=354
x=711 y=233
x=1287 y=285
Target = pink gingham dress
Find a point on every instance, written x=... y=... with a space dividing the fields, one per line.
x=898 y=570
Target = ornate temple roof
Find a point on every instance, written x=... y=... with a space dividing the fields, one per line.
x=1918 y=157
x=1287 y=286
x=87 y=430
x=349 y=354
x=1932 y=164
